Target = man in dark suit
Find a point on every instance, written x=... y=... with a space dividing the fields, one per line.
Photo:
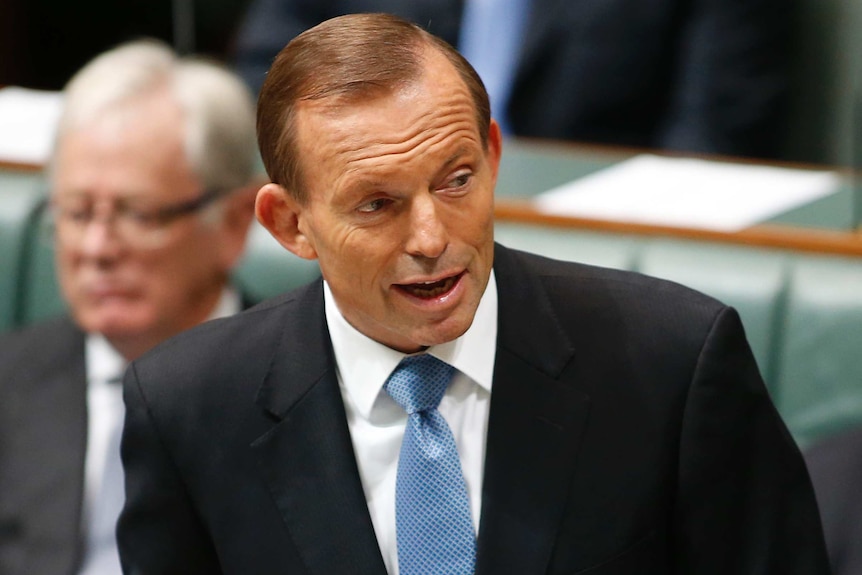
x=705 y=77
x=594 y=421
x=835 y=464
x=149 y=211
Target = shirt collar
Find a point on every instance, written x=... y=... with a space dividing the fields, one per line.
x=228 y=304
x=364 y=364
x=104 y=363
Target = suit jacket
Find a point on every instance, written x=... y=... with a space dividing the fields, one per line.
x=43 y=434
x=43 y=446
x=675 y=74
x=629 y=433
x=836 y=470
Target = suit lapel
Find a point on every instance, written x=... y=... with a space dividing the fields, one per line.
x=533 y=432
x=307 y=458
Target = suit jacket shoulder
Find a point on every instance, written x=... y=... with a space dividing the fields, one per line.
x=589 y=306
x=836 y=471
x=637 y=408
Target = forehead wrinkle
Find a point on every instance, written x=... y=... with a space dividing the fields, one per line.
x=360 y=169
x=426 y=114
x=434 y=113
x=427 y=131
x=416 y=144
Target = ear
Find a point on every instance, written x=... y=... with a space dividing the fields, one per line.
x=495 y=148
x=280 y=213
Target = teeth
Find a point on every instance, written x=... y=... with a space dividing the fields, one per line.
x=431 y=289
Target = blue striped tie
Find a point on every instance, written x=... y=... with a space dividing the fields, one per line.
x=432 y=509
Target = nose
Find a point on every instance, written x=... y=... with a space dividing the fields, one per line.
x=99 y=238
x=427 y=236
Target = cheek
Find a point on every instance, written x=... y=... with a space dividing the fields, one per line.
x=474 y=223
x=357 y=263
x=180 y=268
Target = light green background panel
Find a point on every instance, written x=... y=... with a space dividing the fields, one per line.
x=820 y=367
x=268 y=269
x=606 y=250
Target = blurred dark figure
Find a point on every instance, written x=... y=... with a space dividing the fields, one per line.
x=44 y=42
x=835 y=465
x=697 y=77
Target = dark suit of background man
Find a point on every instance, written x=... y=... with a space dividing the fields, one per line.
x=150 y=215
x=605 y=422
x=692 y=76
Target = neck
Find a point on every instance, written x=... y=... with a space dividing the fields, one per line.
x=134 y=346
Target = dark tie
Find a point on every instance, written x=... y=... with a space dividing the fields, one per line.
x=432 y=510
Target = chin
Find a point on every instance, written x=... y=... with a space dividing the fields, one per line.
x=116 y=324
x=442 y=333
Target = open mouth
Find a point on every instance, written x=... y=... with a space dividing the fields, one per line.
x=430 y=290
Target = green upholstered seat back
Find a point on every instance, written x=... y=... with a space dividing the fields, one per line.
x=604 y=250
x=819 y=372
x=19 y=196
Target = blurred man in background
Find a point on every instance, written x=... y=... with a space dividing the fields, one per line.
x=151 y=208
x=706 y=77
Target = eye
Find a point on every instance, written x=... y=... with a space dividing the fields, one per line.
x=77 y=213
x=458 y=183
x=141 y=217
x=462 y=180
x=373 y=206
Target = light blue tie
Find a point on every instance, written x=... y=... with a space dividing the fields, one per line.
x=432 y=509
x=491 y=39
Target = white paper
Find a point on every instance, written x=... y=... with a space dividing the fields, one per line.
x=686 y=192
x=28 y=122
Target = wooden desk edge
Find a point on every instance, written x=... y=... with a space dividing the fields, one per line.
x=20 y=166
x=771 y=236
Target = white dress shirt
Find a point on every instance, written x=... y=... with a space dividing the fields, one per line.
x=377 y=423
x=105 y=412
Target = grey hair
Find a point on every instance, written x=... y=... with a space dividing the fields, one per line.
x=220 y=141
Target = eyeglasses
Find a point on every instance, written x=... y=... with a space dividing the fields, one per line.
x=137 y=225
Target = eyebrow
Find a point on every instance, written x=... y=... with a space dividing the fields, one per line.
x=459 y=153
x=130 y=197
x=361 y=186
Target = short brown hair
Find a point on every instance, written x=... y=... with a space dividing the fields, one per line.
x=357 y=55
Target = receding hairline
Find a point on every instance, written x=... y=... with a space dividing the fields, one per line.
x=335 y=45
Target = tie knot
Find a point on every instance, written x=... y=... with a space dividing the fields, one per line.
x=419 y=382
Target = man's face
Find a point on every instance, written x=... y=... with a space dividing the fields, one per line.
x=134 y=292
x=400 y=208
